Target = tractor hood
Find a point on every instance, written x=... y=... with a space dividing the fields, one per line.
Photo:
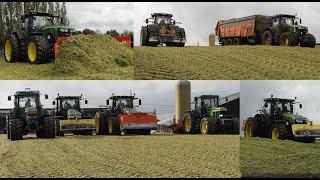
x=295 y=118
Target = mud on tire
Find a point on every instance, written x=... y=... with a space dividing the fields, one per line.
x=38 y=50
x=16 y=129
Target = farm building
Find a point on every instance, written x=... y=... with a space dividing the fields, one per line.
x=232 y=103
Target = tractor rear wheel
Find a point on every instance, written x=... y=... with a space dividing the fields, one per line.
x=12 y=48
x=251 y=129
x=207 y=126
x=38 y=50
x=144 y=36
x=49 y=127
x=113 y=126
x=278 y=131
x=308 y=40
x=267 y=38
x=101 y=124
x=189 y=124
x=16 y=129
x=286 y=39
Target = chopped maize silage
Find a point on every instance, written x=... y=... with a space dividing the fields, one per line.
x=94 y=57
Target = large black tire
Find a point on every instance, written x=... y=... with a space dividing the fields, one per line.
x=278 y=131
x=267 y=38
x=49 y=127
x=113 y=126
x=207 y=126
x=229 y=41
x=102 y=125
x=286 y=39
x=12 y=48
x=235 y=125
x=183 y=35
x=58 y=132
x=144 y=36
x=189 y=124
x=38 y=50
x=236 y=41
x=8 y=129
x=251 y=128
x=308 y=40
x=16 y=129
x=223 y=42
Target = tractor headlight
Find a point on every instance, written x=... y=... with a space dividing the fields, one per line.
x=221 y=115
x=64 y=30
x=299 y=120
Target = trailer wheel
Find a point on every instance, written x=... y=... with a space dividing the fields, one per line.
x=286 y=39
x=38 y=50
x=207 y=126
x=237 y=41
x=113 y=126
x=278 y=131
x=267 y=38
x=223 y=42
x=144 y=36
x=308 y=40
x=229 y=41
x=16 y=129
x=251 y=129
x=12 y=48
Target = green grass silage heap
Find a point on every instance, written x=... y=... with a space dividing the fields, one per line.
x=94 y=57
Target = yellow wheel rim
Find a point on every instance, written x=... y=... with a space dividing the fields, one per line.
x=248 y=130
x=187 y=124
x=8 y=50
x=204 y=127
x=267 y=40
x=32 y=51
x=286 y=41
x=275 y=133
x=110 y=127
x=97 y=123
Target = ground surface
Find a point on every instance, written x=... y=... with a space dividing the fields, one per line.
x=122 y=156
x=227 y=62
x=269 y=158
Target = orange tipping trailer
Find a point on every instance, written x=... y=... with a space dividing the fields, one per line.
x=126 y=40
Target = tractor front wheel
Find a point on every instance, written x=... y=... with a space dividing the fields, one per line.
x=16 y=129
x=144 y=36
x=250 y=129
x=308 y=40
x=101 y=124
x=38 y=50
x=49 y=127
x=12 y=48
x=286 y=39
x=278 y=131
x=207 y=126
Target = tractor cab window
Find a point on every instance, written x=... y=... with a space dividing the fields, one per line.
x=70 y=104
x=283 y=106
x=275 y=22
x=210 y=102
x=288 y=20
x=27 y=102
x=163 y=20
x=124 y=102
x=41 y=21
x=267 y=107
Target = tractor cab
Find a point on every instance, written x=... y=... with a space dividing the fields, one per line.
x=206 y=102
x=35 y=21
x=162 y=19
x=120 y=103
x=288 y=23
x=68 y=106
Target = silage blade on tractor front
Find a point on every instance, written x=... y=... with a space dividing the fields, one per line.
x=306 y=130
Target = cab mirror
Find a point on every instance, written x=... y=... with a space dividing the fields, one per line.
x=53 y=103
x=265 y=105
x=9 y=98
x=139 y=102
x=174 y=22
x=46 y=96
x=300 y=20
x=85 y=101
x=147 y=20
x=196 y=99
x=300 y=105
x=108 y=102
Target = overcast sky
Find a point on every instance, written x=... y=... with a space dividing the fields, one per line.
x=199 y=18
x=159 y=95
x=253 y=93
x=101 y=15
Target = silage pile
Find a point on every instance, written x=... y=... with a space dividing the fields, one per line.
x=94 y=57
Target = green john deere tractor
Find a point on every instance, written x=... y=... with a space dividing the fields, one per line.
x=29 y=116
x=285 y=30
x=37 y=40
x=208 y=118
x=277 y=120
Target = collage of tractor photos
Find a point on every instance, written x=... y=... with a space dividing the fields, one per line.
x=159 y=89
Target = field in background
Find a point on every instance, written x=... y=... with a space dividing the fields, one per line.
x=227 y=62
x=262 y=157
x=122 y=156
